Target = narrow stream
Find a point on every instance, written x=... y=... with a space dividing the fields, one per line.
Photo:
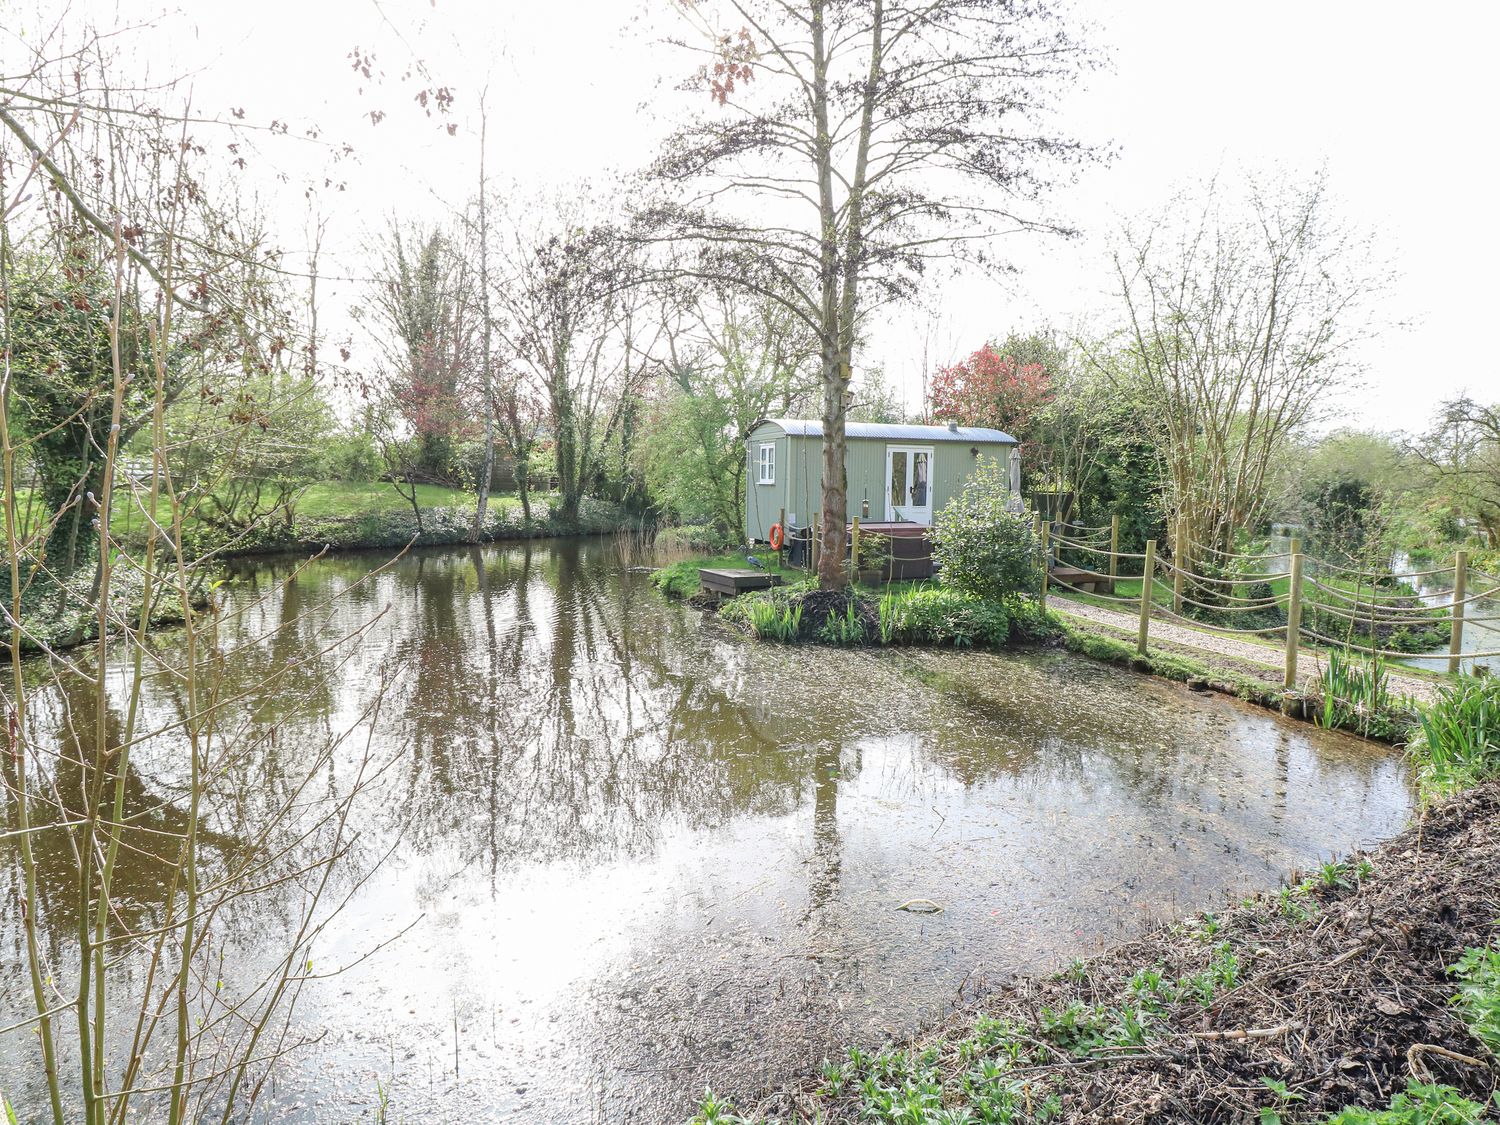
x=1481 y=632
x=639 y=854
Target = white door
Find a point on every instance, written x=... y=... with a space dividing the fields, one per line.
x=908 y=483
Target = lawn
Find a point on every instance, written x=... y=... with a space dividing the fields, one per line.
x=341 y=499
x=325 y=500
x=681 y=580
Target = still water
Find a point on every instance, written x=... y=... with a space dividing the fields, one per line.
x=629 y=853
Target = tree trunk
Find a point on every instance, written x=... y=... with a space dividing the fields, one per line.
x=523 y=488
x=73 y=537
x=487 y=468
x=568 y=484
x=832 y=574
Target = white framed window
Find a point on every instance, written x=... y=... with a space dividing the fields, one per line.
x=767 y=463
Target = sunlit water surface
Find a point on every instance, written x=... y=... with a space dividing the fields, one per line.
x=639 y=854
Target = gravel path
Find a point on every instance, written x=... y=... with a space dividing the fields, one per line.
x=1219 y=650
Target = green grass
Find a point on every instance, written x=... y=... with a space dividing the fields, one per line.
x=1458 y=744
x=333 y=499
x=681 y=579
x=342 y=499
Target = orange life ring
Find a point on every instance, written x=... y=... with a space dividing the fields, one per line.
x=777 y=537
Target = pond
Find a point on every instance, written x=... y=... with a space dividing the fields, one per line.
x=628 y=853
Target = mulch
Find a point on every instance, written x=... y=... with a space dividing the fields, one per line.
x=1344 y=1007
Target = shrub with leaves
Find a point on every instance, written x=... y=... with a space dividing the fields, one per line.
x=944 y=617
x=981 y=546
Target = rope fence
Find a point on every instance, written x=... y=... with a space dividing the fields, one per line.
x=1318 y=600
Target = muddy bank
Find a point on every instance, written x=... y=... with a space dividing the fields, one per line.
x=1339 y=989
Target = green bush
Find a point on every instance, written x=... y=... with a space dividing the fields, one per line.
x=983 y=548
x=353 y=457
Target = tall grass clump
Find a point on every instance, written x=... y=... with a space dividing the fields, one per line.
x=1458 y=744
x=775 y=620
x=1356 y=695
x=846 y=628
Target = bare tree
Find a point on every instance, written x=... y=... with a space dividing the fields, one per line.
x=1240 y=326
x=574 y=320
x=488 y=397
x=132 y=1013
x=852 y=145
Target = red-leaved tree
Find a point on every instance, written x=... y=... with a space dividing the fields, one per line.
x=991 y=389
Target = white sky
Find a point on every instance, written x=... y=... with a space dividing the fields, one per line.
x=1398 y=107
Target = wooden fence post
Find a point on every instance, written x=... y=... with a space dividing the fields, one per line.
x=1114 y=550
x=1179 y=558
x=1046 y=559
x=854 y=550
x=781 y=519
x=1293 y=616
x=1147 y=588
x=1460 y=588
x=813 y=549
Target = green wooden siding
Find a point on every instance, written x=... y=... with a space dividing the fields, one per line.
x=799 y=475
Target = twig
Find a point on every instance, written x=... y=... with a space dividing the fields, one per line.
x=1418 y=1068
x=1249 y=1032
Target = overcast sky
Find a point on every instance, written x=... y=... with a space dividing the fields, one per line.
x=1396 y=102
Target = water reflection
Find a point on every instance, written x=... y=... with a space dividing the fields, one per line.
x=646 y=854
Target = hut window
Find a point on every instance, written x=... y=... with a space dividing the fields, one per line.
x=767 y=463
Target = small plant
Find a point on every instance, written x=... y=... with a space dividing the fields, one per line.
x=1419 y=1105
x=773 y=620
x=1478 y=999
x=1271 y=1115
x=1082 y=1028
x=890 y=616
x=1295 y=902
x=1357 y=695
x=714 y=1110
x=1333 y=874
x=1077 y=971
x=846 y=628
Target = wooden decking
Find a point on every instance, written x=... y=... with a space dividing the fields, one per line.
x=731 y=582
x=1087 y=581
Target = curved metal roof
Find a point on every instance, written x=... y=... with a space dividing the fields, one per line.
x=884 y=431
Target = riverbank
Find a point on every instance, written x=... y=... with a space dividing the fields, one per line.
x=388 y=527
x=1337 y=991
x=924 y=613
x=61 y=617
x=920 y=614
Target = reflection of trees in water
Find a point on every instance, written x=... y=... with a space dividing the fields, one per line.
x=274 y=734
x=64 y=718
x=550 y=715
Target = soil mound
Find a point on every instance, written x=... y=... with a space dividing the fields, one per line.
x=1342 y=993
